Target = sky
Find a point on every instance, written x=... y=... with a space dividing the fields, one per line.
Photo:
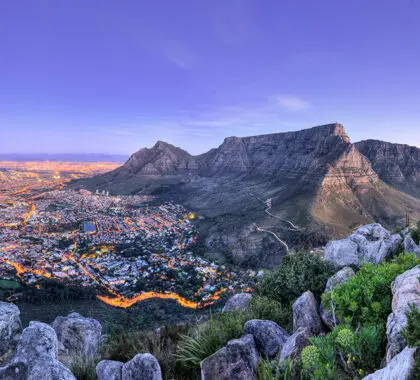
x=106 y=76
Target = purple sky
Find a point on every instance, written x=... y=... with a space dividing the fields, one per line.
x=114 y=76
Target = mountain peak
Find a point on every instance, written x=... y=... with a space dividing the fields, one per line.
x=336 y=129
x=163 y=145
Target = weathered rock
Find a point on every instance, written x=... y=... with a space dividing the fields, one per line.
x=405 y=290
x=399 y=367
x=37 y=340
x=269 y=336
x=342 y=276
x=109 y=370
x=48 y=369
x=10 y=329
x=36 y=356
x=77 y=336
x=342 y=252
x=142 y=367
x=339 y=278
x=237 y=361
x=238 y=302
x=295 y=343
x=370 y=243
x=410 y=246
x=405 y=231
x=305 y=314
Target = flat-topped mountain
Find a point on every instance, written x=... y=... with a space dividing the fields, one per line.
x=304 y=154
x=317 y=181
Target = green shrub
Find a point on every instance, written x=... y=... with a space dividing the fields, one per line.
x=411 y=332
x=262 y=307
x=206 y=339
x=365 y=299
x=278 y=370
x=415 y=233
x=345 y=339
x=311 y=357
x=297 y=273
x=272 y=370
x=343 y=354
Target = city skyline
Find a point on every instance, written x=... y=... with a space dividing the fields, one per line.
x=107 y=78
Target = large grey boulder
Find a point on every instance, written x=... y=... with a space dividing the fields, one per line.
x=49 y=369
x=10 y=330
x=305 y=314
x=410 y=246
x=370 y=243
x=238 y=302
x=37 y=340
x=405 y=291
x=77 y=336
x=399 y=367
x=36 y=356
x=269 y=336
x=339 y=278
x=109 y=370
x=142 y=367
x=295 y=343
x=342 y=276
x=237 y=361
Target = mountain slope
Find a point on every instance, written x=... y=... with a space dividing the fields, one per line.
x=396 y=164
x=316 y=179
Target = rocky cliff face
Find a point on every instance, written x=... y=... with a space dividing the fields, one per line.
x=289 y=155
x=316 y=178
x=396 y=164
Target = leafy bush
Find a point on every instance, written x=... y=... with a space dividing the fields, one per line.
x=311 y=357
x=345 y=339
x=297 y=273
x=411 y=332
x=365 y=299
x=265 y=308
x=343 y=354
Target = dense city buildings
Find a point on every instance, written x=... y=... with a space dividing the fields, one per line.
x=127 y=248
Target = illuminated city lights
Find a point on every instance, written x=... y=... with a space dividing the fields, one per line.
x=122 y=246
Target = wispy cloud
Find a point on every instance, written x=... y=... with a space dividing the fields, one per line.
x=177 y=53
x=242 y=118
x=292 y=103
x=202 y=129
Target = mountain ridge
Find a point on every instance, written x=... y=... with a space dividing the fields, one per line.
x=315 y=177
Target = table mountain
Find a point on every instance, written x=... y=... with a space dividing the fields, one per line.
x=319 y=183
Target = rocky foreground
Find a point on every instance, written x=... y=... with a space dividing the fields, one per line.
x=46 y=352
